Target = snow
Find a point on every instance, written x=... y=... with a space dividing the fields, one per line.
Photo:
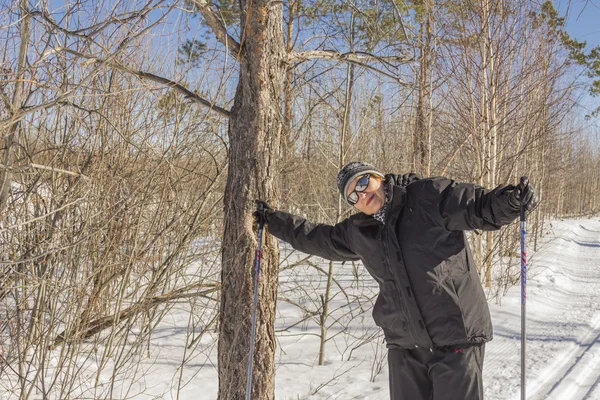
x=563 y=335
x=563 y=321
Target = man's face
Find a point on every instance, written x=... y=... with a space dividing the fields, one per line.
x=371 y=199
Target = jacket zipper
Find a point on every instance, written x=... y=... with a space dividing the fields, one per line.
x=397 y=295
x=411 y=328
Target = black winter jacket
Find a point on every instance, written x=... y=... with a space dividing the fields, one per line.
x=430 y=292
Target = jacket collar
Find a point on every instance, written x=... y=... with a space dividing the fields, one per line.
x=395 y=205
x=397 y=201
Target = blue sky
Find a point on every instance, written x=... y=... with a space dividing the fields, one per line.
x=583 y=23
x=583 y=19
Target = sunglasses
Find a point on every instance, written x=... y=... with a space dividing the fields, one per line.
x=361 y=185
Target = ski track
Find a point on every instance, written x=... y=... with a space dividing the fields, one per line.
x=574 y=373
x=563 y=323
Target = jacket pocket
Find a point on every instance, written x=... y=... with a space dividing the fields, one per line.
x=387 y=304
x=388 y=315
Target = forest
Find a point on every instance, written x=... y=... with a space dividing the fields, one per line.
x=137 y=135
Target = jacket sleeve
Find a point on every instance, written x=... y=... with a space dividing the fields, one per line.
x=321 y=240
x=465 y=206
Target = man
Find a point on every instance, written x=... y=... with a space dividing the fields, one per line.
x=409 y=234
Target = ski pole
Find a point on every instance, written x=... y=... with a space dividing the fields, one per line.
x=524 y=182
x=254 y=310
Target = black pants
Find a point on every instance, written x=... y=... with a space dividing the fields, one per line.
x=449 y=373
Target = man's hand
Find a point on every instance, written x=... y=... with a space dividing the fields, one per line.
x=523 y=194
x=261 y=213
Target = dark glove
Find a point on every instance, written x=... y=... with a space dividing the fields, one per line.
x=523 y=194
x=261 y=213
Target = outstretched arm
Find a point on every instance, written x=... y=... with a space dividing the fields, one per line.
x=465 y=206
x=321 y=240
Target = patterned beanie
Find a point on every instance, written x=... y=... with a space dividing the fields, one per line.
x=351 y=171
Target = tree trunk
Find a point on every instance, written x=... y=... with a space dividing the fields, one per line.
x=16 y=104
x=287 y=150
x=254 y=135
x=491 y=111
x=422 y=135
x=344 y=144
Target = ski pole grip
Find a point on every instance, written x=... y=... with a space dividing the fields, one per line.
x=522 y=185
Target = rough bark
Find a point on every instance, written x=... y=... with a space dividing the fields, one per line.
x=254 y=134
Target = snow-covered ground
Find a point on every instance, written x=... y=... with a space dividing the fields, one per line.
x=563 y=335
x=563 y=321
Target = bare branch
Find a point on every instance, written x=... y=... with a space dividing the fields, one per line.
x=88 y=32
x=30 y=166
x=102 y=323
x=148 y=76
x=217 y=27
x=361 y=59
x=352 y=57
x=22 y=111
x=41 y=217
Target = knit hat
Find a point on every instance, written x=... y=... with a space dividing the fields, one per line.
x=351 y=171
